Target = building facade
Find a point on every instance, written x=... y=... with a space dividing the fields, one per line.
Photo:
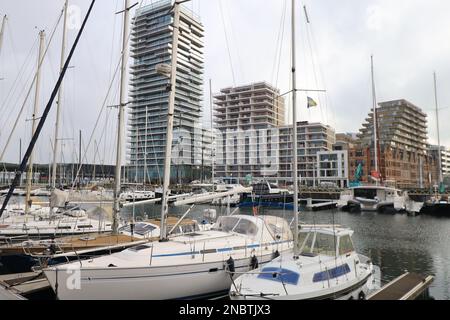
x=267 y=153
x=249 y=107
x=151 y=42
x=403 y=157
x=332 y=168
x=445 y=159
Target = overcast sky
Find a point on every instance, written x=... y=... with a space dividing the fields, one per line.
x=408 y=38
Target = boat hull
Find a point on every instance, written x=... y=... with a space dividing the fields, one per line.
x=150 y=283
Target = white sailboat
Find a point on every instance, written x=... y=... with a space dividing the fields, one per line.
x=28 y=221
x=197 y=264
x=323 y=263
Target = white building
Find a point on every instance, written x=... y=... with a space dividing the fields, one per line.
x=267 y=153
x=332 y=168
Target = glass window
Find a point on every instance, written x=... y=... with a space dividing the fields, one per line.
x=301 y=238
x=345 y=245
x=246 y=227
x=226 y=223
x=308 y=244
x=325 y=244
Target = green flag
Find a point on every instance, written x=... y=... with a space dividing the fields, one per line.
x=311 y=102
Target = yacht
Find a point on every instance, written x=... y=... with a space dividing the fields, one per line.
x=437 y=205
x=327 y=267
x=193 y=265
x=136 y=195
x=267 y=194
x=377 y=198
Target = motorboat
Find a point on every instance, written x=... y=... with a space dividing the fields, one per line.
x=437 y=205
x=377 y=198
x=267 y=194
x=327 y=267
x=137 y=195
x=192 y=265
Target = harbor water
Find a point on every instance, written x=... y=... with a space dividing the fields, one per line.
x=395 y=242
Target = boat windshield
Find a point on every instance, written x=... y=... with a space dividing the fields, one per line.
x=345 y=245
x=226 y=224
x=365 y=193
x=316 y=243
x=187 y=228
x=246 y=227
x=235 y=224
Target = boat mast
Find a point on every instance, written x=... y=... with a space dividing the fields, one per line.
x=170 y=111
x=375 y=124
x=437 y=128
x=294 y=134
x=212 y=135
x=58 y=101
x=43 y=118
x=120 y=122
x=35 y=111
x=5 y=17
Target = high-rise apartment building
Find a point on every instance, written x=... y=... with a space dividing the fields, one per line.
x=445 y=159
x=312 y=138
x=249 y=107
x=403 y=157
x=151 y=44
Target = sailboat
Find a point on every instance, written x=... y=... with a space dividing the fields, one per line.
x=323 y=263
x=437 y=205
x=28 y=221
x=193 y=265
x=376 y=197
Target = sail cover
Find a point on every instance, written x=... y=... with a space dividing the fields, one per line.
x=58 y=198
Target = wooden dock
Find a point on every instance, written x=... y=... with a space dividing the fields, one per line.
x=408 y=286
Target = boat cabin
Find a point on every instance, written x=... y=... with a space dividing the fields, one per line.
x=325 y=241
x=266 y=228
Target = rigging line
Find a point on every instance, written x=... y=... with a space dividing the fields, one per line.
x=233 y=40
x=13 y=47
x=104 y=103
x=277 y=44
x=20 y=74
x=113 y=42
x=10 y=108
x=279 y=48
x=29 y=90
x=98 y=118
x=316 y=81
x=322 y=76
x=226 y=41
x=44 y=114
